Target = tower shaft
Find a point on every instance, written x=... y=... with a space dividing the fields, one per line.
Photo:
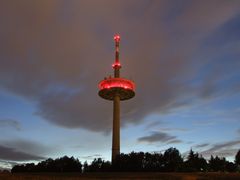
x=116 y=127
x=116 y=106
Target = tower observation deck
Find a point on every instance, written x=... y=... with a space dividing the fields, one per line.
x=116 y=89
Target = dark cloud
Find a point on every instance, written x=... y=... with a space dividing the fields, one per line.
x=224 y=145
x=204 y=123
x=55 y=52
x=161 y=124
x=91 y=157
x=174 y=129
x=153 y=124
x=176 y=141
x=221 y=153
x=12 y=154
x=28 y=146
x=5 y=123
x=159 y=137
x=202 y=145
x=223 y=149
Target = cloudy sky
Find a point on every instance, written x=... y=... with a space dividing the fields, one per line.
x=183 y=56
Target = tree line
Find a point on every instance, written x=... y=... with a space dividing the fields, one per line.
x=170 y=161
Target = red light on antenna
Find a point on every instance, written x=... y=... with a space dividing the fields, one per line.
x=116 y=65
x=117 y=38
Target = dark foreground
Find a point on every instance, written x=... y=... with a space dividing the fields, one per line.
x=125 y=176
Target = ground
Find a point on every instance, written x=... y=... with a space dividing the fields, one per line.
x=125 y=176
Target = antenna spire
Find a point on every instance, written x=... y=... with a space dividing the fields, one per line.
x=116 y=66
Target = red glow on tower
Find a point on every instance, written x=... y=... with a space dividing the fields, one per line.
x=116 y=83
x=117 y=38
x=116 y=65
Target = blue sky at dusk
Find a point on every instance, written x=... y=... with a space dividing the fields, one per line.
x=182 y=55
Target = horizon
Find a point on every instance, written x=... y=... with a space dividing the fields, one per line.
x=183 y=57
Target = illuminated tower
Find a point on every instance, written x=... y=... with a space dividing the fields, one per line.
x=116 y=89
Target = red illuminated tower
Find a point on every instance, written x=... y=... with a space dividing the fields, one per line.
x=116 y=89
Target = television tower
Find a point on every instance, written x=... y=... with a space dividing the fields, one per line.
x=116 y=89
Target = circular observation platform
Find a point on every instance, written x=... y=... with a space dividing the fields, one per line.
x=111 y=86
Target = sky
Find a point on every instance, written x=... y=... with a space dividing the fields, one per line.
x=182 y=55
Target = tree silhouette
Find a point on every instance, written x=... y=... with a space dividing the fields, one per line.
x=172 y=160
x=237 y=158
x=86 y=167
x=217 y=164
x=129 y=162
x=195 y=162
x=18 y=168
x=97 y=165
x=153 y=162
x=136 y=161
x=64 y=164
x=230 y=167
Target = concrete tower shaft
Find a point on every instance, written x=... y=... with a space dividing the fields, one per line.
x=116 y=105
x=116 y=127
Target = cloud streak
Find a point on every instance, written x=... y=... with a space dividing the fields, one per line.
x=174 y=129
x=222 y=149
x=6 y=123
x=91 y=157
x=23 y=150
x=12 y=154
x=159 y=137
x=202 y=145
x=28 y=146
